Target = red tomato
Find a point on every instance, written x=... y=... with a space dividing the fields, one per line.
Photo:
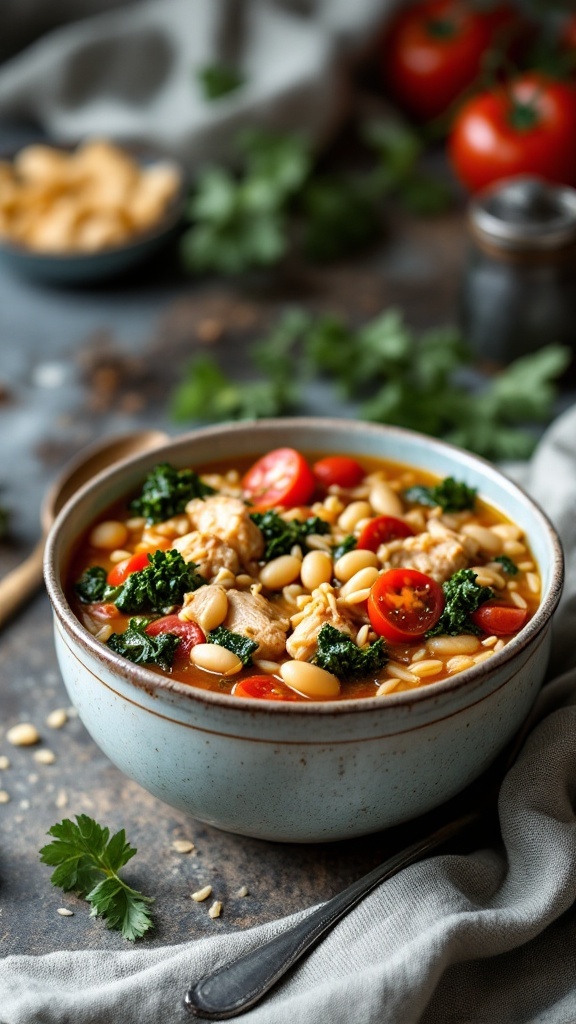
x=263 y=688
x=403 y=604
x=568 y=33
x=433 y=51
x=189 y=632
x=124 y=569
x=499 y=619
x=527 y=127
x=382 y=529
x=282 y=477
x=103 y=610
x=338 y=469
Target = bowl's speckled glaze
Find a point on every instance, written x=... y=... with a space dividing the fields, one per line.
x=302 y=772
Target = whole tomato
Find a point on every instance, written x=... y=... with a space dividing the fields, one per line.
x=527 y=126
x=433 y=50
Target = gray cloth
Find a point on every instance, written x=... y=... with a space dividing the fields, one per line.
x=484 y=938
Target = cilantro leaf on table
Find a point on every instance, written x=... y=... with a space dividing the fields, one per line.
x=91 y=585
x=281 y=535
x=463 y=596
x=217 y=80
x=450 y=494
x=136 y=645
x=242 y=646
x=87 y=861
x=167 y=491
x=337 y=653
x=207 y=393
x=158 y=587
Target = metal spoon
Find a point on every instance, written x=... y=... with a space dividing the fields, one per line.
x=23 y=581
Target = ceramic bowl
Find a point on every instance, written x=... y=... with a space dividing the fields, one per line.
x=302 y=772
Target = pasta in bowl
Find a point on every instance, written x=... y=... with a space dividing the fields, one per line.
x=305 y=629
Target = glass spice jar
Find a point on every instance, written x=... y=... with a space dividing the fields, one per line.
x=519 y=288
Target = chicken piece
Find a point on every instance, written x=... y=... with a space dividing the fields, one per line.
x=228 y=519
x=253 y=616
x=302 y=643
x=208 y=552
x=438 y=552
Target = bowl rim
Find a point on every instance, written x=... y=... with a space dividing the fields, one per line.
x=145 y=679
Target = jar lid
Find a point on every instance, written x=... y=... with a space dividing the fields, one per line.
x=525 y=212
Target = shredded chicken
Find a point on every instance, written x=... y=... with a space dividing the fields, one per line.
x=439 y=552
x=323 y=608
x=229 y=519
x=252 y=615
x=210 y=553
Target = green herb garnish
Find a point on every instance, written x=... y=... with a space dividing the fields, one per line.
x=451 y=495
x=217 y=80
x=87 y=862
x=137 y=646
x=337 y=653
x=92 y=584
x=167 y=491
x=158 y=587
x=281 y=535
x=508 y=566
x=463 y=596
x=240 y=645
x=347 y=544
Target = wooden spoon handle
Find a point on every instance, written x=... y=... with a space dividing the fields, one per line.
x=21 y=583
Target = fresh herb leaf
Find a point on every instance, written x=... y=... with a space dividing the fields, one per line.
x=218 y=80
x=508 y=566
x=450 y=494
x=167 y=491
x=137 y=646
x=91 y=585
x=206 y=393
x=338 y=216
x=347 y=544
x=240 y=645
x=281 y=535
x=463 y=596
x=158 y=587
x=87 y=861
x=337 y=653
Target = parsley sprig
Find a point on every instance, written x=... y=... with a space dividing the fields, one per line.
x=166 y=492
x=87 y=861
x=138 y=646
x=281 y=535
x=337 y=653
x=158 y=587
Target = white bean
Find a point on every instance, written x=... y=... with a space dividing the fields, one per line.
x=213 y=658
x=280 y=572
x=309 y=680
x=445 y=646
x=208 y=608
x=384 y=500
x=352 y=562
x=359 y=581
x=487 y=539
x=352 y=515
x=109 y=534
x=316 y=569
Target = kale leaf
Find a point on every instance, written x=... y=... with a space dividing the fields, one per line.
x=281 y=535
x=451 y=495
x=167 y=491
x=337 y=653
x=347 y=544
x=508 y=566
x=463 y=596
x=92 y=584
x=158 y=587
x=240 y=645
x=137 y=646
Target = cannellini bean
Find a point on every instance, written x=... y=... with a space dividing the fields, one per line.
x=352 y=562
x=384 y=500
x=487 y=539
x=280 y=572
x=213 y=658
x=309 y=680
x=446 y=646
x=357 y=596
x=352 y=515
x=316 y=569
x=213 y=609
x=359 y=581
x=109 y=535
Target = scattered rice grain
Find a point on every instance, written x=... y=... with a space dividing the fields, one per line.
x=4 y=762
x=202 y=894
x=57 y=718
x=243 y=891
x=23 y=735
x=64 y=912
x=215 y=910
x=44 y=756
x=182 y=846
x=4 y=797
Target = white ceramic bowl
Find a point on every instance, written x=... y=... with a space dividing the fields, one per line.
x=302 y=772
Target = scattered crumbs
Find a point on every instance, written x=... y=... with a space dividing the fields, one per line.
x=57 y=718
x=4 y=797
x=33 y=778
x=202 y=894
x=182 y=846
x=24 y=805
x=44 y=756
x=61 y=798
x=23 y=735
x=4 y=763
x=64 y=912
x=216 y=909
x=243 y=891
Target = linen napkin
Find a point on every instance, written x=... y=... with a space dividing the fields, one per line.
x=483 y=938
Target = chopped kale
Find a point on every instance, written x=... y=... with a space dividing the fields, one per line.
x=451 y=495
x=167 y=491
x=137 y=646
x=508 y=566
x=345 y=545
x=158 y=587
x=91 y=585
x=463 y=596
x=240 y=645
x=337 y=653
x=281 y=535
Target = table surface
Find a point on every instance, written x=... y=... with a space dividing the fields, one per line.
x=78 y=364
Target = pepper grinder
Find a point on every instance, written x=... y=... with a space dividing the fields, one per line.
x=519 y=287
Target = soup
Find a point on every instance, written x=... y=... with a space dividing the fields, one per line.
x=297 y=578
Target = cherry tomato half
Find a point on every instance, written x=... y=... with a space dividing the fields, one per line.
x=263 y=688
x=499 y=619
x=338 y=469
x=403 y=604
x=382 y=529
x=526 y=127
x=189 y=632
x=282 y=477
x=124 y=569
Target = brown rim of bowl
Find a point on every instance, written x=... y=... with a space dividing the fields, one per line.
x=143 y=678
